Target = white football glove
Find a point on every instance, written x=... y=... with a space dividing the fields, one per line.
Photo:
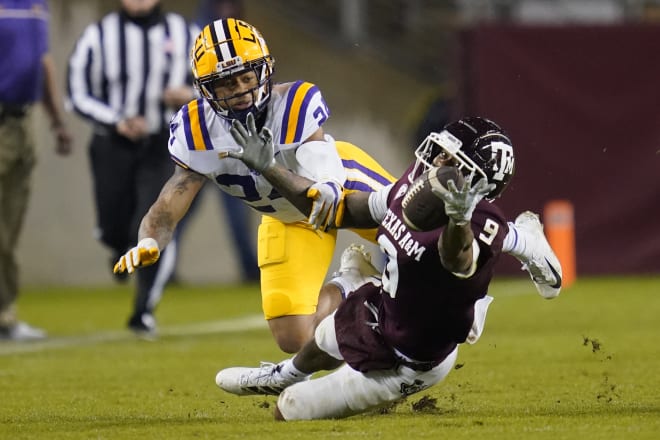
x=460 y=203
x=328 y=205
x=144 y=254
x=257 y=147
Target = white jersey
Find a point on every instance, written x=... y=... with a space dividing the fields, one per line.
x=295 y=111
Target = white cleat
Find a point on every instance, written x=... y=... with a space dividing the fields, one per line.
x=543 y=267
x=22 y=331
x=266 y=379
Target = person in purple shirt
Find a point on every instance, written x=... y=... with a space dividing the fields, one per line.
x=28 y=76
x=398 y=335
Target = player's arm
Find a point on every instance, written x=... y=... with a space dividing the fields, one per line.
x=456 y=245
x=158 y=224
x=320 y=201
x=295 y=189
x=257 y=153
x=170 y=207
x=290 y=185
x=357 y=212
x=318 y=159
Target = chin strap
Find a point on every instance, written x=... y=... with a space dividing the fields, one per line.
x=241 y=116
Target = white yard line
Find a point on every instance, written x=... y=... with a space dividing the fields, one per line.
x=251 y=322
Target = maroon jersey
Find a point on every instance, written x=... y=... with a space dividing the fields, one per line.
x=422 y=310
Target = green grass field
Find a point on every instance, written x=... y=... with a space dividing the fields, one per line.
x=583 y=366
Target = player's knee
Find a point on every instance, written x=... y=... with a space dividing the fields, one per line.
x=291 y=333
x=292 y=338
x=292 y=342
x=289 y=404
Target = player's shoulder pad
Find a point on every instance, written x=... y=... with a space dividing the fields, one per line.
x=189 y=128
x=305 y=111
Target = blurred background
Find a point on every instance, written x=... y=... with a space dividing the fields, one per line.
x=575 y=83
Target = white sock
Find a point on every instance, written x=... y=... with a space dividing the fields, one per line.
x=516 y=243
x=345 y=285
x=290 y=372
x=351 y=280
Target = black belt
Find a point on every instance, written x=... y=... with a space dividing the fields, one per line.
x=417 y=365
x=401 y=359
x=8 y=110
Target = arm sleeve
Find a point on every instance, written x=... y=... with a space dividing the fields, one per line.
x=319 y=161
x=378 y=203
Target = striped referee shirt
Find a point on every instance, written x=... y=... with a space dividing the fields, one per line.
x=120 y=68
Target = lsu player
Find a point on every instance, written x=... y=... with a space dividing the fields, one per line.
x=232 y=69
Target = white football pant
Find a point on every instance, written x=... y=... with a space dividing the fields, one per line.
x=346 y=391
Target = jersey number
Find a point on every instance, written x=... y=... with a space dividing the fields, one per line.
x=250 y=191
x=390 y=277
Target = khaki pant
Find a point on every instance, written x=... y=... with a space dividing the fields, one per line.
x=17 y=159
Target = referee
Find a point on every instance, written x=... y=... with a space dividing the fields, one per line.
x=128 y=74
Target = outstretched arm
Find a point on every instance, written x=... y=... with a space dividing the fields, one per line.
x=291 y=186
x=257 y=153
x=158 y=224
x=455 y=244
x=321 y=202
x=170 y=207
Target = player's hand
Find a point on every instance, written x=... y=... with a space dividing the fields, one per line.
x=144 y=254
x=460 y=203
x=257 y=147
x=327 y=205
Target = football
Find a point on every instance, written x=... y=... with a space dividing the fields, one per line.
x=423 y=210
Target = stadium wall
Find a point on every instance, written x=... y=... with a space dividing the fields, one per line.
x=581 y=101
x=582 y=106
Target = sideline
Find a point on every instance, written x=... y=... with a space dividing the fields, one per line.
x=250 y=322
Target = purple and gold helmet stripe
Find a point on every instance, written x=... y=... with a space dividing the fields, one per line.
x=214 y=41
x=194 y=126
x=296 y=107
x=226 y=39
x=222 y=39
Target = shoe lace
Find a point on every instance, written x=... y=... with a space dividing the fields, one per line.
x=264 y=379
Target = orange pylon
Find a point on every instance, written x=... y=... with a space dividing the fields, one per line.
x=559 y=227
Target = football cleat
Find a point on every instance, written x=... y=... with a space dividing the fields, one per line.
x=543 y=266
x=21 y=331
x=265 y=380
x=143 y=326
